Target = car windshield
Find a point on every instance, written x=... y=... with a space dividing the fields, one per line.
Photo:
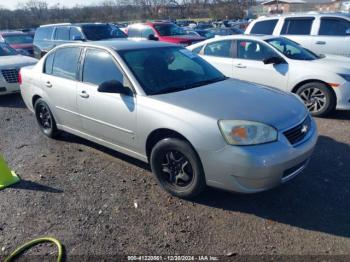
x=6 y=50
x=169 y=30
x=291 y=49
x=18 y=39
x=169 y=69
x=102 y=32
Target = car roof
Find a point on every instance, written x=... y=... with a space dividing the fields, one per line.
x=243 y=36
x=123 y=44
x=5 y=33
x=307 y=14
x=73 y=24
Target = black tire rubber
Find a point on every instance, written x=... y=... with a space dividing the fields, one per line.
x=197 y=184
x=49 y=132
x=330 y=97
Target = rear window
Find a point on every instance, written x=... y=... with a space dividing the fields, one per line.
x=264 y=27
x=334 y=27
x=66 y=62
x=18 y=39
x=43 y=33
x=297 y=26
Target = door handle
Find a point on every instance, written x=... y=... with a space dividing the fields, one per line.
x=48 y=84
x=240 y=66
x=83 y=94
x=320 y=43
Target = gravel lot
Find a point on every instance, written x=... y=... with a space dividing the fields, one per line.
x=85 y=195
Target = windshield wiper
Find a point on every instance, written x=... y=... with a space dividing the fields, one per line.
x=207 y=82
x=189 y=86
x=169 y=90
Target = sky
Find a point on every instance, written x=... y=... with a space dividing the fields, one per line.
x=12 y=4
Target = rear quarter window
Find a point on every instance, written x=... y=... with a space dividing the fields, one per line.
x=264 y=27
x=43 y=33
x=65 y=63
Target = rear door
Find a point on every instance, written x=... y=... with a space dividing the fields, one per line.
x=219 y=54
x=59 y=82
x=107 y=116
x=248 y=65
x=298 y=29
x=333 y=36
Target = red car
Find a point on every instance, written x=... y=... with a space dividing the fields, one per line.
x=162 y=31
x=22 y=42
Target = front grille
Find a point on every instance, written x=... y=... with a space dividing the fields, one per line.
x=298 y=133
x=10 y=75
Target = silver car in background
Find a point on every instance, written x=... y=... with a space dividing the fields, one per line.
x=165 y=105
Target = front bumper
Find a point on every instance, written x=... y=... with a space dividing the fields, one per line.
x=251 y=169
x=343 y=96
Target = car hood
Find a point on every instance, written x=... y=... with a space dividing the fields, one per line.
x=16 y=61
x=238 y=100
x=182 y=38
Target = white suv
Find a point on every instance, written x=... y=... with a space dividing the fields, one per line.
x=320 y=33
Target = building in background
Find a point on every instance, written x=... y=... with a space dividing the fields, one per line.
x=288 y=6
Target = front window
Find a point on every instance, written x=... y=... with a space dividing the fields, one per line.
x=6 y=50
x=253 y=50
x=18 y=39
x=96 y=32
x=291 y=49
x=169 y=69
x=169 y=30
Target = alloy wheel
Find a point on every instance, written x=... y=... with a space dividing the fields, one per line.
x=44 y=117
x=314 y=99
x=177 y=169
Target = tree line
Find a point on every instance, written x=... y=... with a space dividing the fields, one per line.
x=37 y=12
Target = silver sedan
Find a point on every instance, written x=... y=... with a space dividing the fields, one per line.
x=165 y=105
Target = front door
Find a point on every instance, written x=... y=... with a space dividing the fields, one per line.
x=107 y=116
x=248 y=65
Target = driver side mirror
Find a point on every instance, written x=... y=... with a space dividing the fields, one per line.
x=77 y=38
x=347 y=32
x=114 y=86
x=274 y=60
x=152 y=37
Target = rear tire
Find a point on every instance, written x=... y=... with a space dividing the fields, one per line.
x=45 y=119
x=178 y=168
x=317 y=97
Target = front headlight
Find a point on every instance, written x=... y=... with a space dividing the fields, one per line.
x=241 y=132
x=345 y=76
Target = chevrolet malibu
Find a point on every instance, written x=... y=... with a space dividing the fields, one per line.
x=164 y=105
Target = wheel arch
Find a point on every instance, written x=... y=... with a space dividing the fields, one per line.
x=297 y=86
x=34 y=99
x=161 y=133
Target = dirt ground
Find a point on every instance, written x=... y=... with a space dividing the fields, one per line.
x=85 y=195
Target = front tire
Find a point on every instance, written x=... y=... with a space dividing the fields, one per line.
x=178 y=168
x=45 y=119
x=318 y=98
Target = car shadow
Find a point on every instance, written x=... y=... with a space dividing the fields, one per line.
x=70 y=138
x=340 y=115
x=12 y=100
x=316 y=200
x=33 y=186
